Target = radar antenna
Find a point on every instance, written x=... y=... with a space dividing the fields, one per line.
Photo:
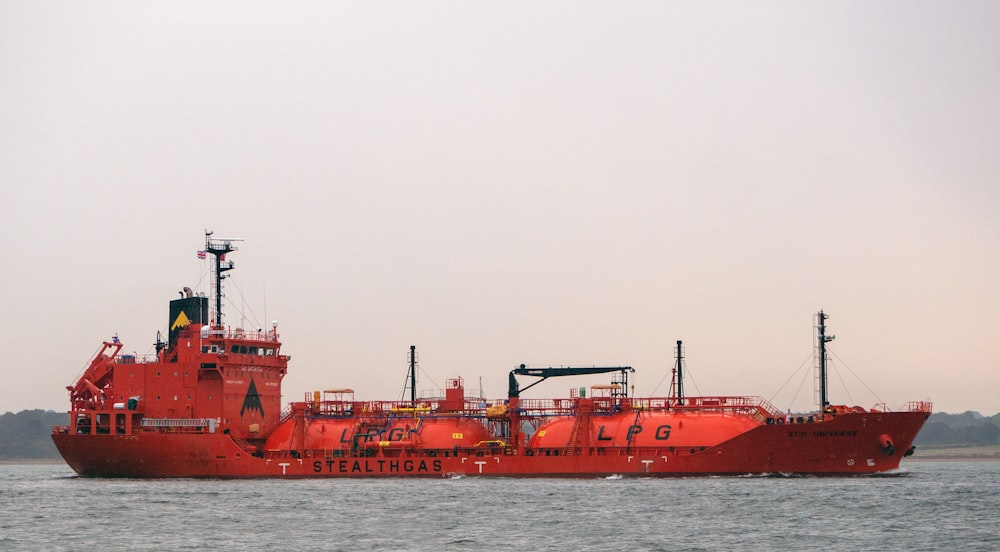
x=218 y=248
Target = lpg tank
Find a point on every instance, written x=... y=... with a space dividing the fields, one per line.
x=320 y=434
x=649 y=429
x=449 y=432
x=339 y=434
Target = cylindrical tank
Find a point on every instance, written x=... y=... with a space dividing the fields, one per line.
x=653 y=429
x=320 y=434
x=442 y=433
x=331 y=434
x=429 y=433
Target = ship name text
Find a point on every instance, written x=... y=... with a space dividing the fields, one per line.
x=377 y=466
x=822 y=434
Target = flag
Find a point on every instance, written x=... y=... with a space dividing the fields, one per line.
x=202 y=254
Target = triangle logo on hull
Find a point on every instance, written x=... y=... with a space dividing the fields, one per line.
x=252 y=400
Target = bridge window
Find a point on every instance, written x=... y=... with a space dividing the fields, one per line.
x=83 y=424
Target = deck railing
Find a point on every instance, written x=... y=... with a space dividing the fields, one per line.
x=180 y=424
x=918 y=406
x=735 y=405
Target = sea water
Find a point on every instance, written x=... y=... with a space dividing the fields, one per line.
x=923 y=506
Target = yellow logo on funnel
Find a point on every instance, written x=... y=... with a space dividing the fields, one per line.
x=180 y=322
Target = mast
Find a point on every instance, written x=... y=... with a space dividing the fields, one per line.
x=413 y=376
x=822 y=340
x=678 y=383
x=218 y=247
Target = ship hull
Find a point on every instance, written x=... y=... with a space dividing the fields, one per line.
x=208 y=404
x=850 y=444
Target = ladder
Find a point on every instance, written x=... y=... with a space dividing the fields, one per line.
x=574 y=437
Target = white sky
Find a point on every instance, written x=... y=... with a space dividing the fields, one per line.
x=554 y=183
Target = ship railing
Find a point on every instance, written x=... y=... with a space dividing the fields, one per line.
x=918 y=406
x=547 y=407
x=195 y=425
x=743 y=405
x=268 y=425
x=132 y=358
x=336 y=408
x=911 y=406
x=262 y=336
x=346 y=409
x=746 y=405
x=492 y=448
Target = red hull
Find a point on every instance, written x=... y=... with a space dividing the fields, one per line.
x=846 y=445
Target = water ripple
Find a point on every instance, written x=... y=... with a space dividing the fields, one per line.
x=927 y=506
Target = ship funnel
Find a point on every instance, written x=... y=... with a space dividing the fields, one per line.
x=185 y=311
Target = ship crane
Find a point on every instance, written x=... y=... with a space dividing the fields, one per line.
x=514 y=390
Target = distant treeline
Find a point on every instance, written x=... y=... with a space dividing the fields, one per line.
x=25 y=435
x=959 y=430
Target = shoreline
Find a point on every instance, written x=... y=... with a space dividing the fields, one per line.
x=987 y=453
x=954 y=458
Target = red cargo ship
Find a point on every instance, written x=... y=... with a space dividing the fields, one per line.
x=208 y=404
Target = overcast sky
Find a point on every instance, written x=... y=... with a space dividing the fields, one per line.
x=550 y=183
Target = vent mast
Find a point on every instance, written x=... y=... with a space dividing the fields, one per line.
x=822 y=340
